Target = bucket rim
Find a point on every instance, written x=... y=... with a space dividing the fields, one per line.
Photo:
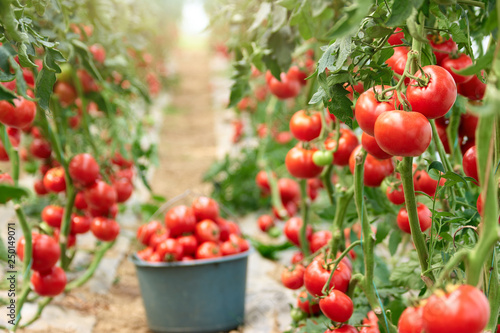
x=197 y=262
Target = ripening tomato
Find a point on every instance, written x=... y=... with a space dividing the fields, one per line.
x=436 y=98
x=344 y=329
x=40 y=148
x=284 y=88
x=375 y=170
x=397 y=37
x=294 y=73
x=84 y=169
x=457 y=63
x=45 y=251
x=371 y=146
x=299 y=163
x=442 y=48
x=293 y=277
x=308 y=303
x=463 y=310
x=207 y=231
x=411 y=320
x=53 y=215
x=468 y=125
x=66 y=93
x=54 y=180
x=49 y=283
x=265 y=222
x=473 y=89
x=469 y=163
x=179 y=220
x=395 y=194
x=208 y=250
x=319 y=239
x=123 y=188
x=289 y=190
x=424 y=218
x=368 y=108
x=347 y=143
x=317 y=274
x=397 y=61
x=170 y=250
x=424 y=182
x=402 y=133
x=19 y=115
x=292 y=230
x=105 y=229
x=305 y=126
x=337 y=306
x=205 y=208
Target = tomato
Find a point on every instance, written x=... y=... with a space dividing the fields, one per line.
x=468 y=125
x=80 y=224
x=262 y=181
x=375 y=170
x=284 y=88
x=402 y=133
x=66 y=93
x=368 y=108
x=397 y=61
x=53 y=215
x=207 y=231
x=87 y=81
x=265 y=222
x=290 y=207
x=317 y=274
x=411 y=320
x=104 y=212
x=423 y=182
x=289 y=190
x=359 y=88
x=105 y=229
x=54 y=180
x=49 y=283
x=208 y=250
x=261 y=93
x=307 y=303
x=292 y=230
x=98 y=52
x=5 y=178
x=228 y=248
x=160 y=236
x=123 y=188
x=40 y=148
x=233 y=228
x=397 y=37
x=424 y=218
x=293 y=277
x=435 y=99
x=395 y=194
x=179 y=220
x=469 y=163
x=84 y=169
x=100 y=195
x=300 y=164
x=297 y=257
x=120 y=161
x=283 y=137
x=294 y=73
x=371 y=146
x=442 y=48
x=155 y=257
x=70 y=240
x=461 y=62
x=337 y=306
x=45 y=251
x=343 y=328
x=473 y=89
x=146 y=231
x=313 y=185
x=170 y=250
x=205 y=208
x=19 y=115
x=146 y=253
x=347 y=143
x=189 y=244
x=319 y=239
x=39 y=187
x=305 y=126
x=464 y=310
x=242 y=243
x=238 y=130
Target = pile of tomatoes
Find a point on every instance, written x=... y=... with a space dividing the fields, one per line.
x=191 y=233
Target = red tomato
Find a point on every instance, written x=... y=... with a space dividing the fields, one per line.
x=468 y=125
x=98 y=52
x=293 y=277
x=442 y=48
x=337 y=306
x=297 y=257
x=283 y=137
x=205 y=208
x=292 y=230
x=242 y=243
x=228 y=248
x=146 y=231
x=207 y=231
x=299 y=163
x=179 y=220
x=208 y=250
x=294 y=73
x=40 y=148
x=443 y=136
x=105 y=229
x=120 y=161
x=319 y=239
x=347 y=143
x=70 y=240
x=451 y=63
x=464 y=310
x=396 y=194
x=291 y=210
x=123 y=188
x=104 y=212
x=189 y=244
x=469 y=163
x=359 y=88
x=54 y=180
x=155 y=257
x=53 y=215
x=100 y=195
x=307 y=303
x=45 y=251
x=284 y=88
x=375 y=170
x=80 y=224
x=66 y=93
x=170 y=250
x=423 y=182
x=479 y=204
x=262 y=181
x=371 y=146
x=402 y=133
x=19 y=115
x=424 y=218
x=397 y=61
x=289 y=190
x=473 y=89
x=397 y=37
x=436 y=98
x=233 y=228
x=49 y=283
x=88 y=83
x=411 y=320
x=261 y=93
x=146 y=253
x=5 y=178
x=84 y=169
x=317 y=274
x=305 y=126
x=343 y=329
x=265 y=222
x=39 y=187
x=158 y=237
x=368 y=108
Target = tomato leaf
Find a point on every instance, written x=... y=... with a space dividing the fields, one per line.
x=377 y=31
x=408 y=274
x=335 y=55
x=481 y=63
x=240 y=87
x=261 y=15
x=394 y=241
x=339 y=104
x=46 y=78
x=6 y=94
x=401 y=11
x=301 y=17
x=349 y=22
x=279 y=17
x=269 y=251
x=436 y=165
x=8 y=192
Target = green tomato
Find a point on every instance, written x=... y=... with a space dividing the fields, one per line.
x=297 y=315
x=322 y=157
x=274 y=232
x=65 y=74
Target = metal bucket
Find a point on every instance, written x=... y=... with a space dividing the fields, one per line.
x=194 y=296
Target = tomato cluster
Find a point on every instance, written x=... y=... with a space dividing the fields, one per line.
x=191 y=233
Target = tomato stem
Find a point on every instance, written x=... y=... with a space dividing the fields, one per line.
x=275 y=194
x=342 y=202
x=41 y=305
x=326 y=289
x=326 y=178
x=304 y=243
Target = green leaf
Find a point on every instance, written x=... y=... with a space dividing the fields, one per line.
x=6 y=94
x=281 y=45
x=383 y=230
x=458 y=34
x=279 y=18
x=339 y=104
x=302 y=17
x=269 y=251
x=240 y=85
x=377 y=31
x=261 y=15
x=335 y=55
x=318 y=96
x=348 y=24
x=481 y=63
x=86 y=58
x=401 y=10
x=20 y=82
x=8 y=192
x=46 y=78
x=328 y=213
x=288 y=4
x=40 y=6
x=436 y=165
x=394 y=241
x=407 y=275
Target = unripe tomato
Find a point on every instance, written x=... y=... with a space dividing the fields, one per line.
x=54 y=180
x=307 y=303
x=300 y=164
x=317 y=274
x=205 y=208
x=19 y=115
x=469 y=163
x=337 y=306
x=293 y=277
x=105 y=229
x=368 y=108
x=45 y=251
x=371 y=146
x=305 y=127
x=411 y=320
x=375 y=170
x=49 y=283
x=292 y=230
x=463 y=61
x=322 y=158
x=424 y=218
x=347 y=143
x=84 y=169
x=53 y=215
x=179 y=220
x=170 y=250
